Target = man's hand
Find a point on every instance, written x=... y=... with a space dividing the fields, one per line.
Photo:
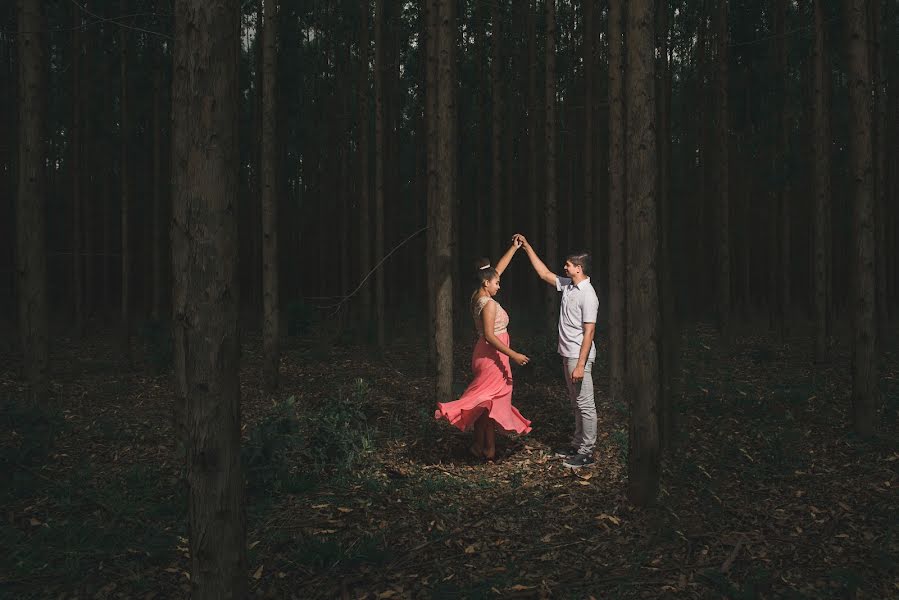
x=577 y=375
x=519 y=240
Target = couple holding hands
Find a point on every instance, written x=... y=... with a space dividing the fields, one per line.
x=487 y=402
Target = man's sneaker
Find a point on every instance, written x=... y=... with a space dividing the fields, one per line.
x=565 y=452
x=579 y=460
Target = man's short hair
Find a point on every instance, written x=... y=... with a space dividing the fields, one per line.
x=582 y=260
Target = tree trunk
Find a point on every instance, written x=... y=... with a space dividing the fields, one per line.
x=550 y=208
x=271 y=329
x=77 y=251
x=31 y=199
x=617 y=210
x=642 y=251
x=864 y=338
x=496 y=185
x=722 y=227
x=156 y=237
x=204 y=253
x=440 y=195
x=379 y=169
x=879 y=130
x=589 y=136
x=365 y=295
x=781 y=154
x=431 y=18
x=533 y=181
x=822 y=185
x=125 y=180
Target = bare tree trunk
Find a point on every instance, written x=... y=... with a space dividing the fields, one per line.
x=864 y=338
x=643 y=317
x=781 y=152
x=77 y=251
x=723 y=202
x=822 y=185
x=271 y=312
x=31 y=199
x=365 y=261
x=617 y=210
x=441 y=213
x=379 y=169
x=496 y=185
x=550 y=208
x=125 y=175
x=589 y=135
x=431 y=33
x=156 y=243
x=204 y=253
x=879 y=130
x=533 y=181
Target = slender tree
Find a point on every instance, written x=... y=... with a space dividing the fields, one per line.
x=31 y=200
x=643 y=317
x=440 y=193
x=722 y=227
x=365 y=261
x=589 y=135
x=76 y=179
x=550 y=208
x=617 y=209
x=156 y=237
x=380 y=150
x=822 y=184
x=204 y=256
x=864 y=331
x=271 y=330
x=879 y=130
x=125 y=191
x=496 y=143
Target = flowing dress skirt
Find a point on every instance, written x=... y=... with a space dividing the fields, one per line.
x=490 y=391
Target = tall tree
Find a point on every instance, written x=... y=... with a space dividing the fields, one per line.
x=643 y=317
x=864 y=332
x=589 y=135
x=496 y=185
x=31 y=200
x=550 y=208
x=722 y=226
x=364 y=171
x=204 y=257
x=156 y=226
x=822 y=239
x=781 y=155
x=440 y=191
x=77 y=252
x=879 y=131
x=380 y=150
x=617 y=209
x=125 y=183
x=271 y=330
x=532 y=102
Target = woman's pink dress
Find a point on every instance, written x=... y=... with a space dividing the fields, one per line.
x=491 y=388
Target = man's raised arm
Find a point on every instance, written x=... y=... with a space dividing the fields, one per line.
x=542 y=270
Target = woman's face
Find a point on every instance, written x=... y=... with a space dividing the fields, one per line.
x=492 y=286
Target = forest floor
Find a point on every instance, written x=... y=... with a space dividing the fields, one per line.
x=354 y=491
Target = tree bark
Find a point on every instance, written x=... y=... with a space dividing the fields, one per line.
x=550 y=208
x=125 y=181
x=271 y=312
x=822 y=185
x=365 y=261
x=379 y=169
x=441 y=196
x=31 y=199
x=722 y=227
x=156 y=237
x=77 y=250
x=204 y=253
x=589 y=136
x=642 y=251
x=496 y=185
x=617 y=210
x=879 y=130
x=533 y=180
x=864 y=338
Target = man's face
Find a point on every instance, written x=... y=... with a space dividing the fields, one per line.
x=571 y=269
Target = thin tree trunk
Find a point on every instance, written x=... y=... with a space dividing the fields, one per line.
x=723 y=202
x=783 y=194
x=125 y=175
x=822 y=185
x=864 y=338
x=31 y=200
x=879 y=130
x=77 y=251
x=589 y=135
x=430 y=28
x=204 y=253
x=533 y=181
x=271 y=329
x=550 y=209
x=441 y=214
x=496 y=185
x=379 y=170
x=617 y=210
x=156 y=237
x=643 y=317
x=365 y=261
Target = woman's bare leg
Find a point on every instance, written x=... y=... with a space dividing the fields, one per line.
x=477 y=448
x=489 y=439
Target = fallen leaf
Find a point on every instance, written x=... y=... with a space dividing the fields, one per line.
x=258 y=573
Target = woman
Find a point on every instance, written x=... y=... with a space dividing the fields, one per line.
x=487 y=402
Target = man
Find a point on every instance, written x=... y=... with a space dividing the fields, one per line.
x=577 y=326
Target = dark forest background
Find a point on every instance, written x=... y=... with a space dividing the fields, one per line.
x=241 y=201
